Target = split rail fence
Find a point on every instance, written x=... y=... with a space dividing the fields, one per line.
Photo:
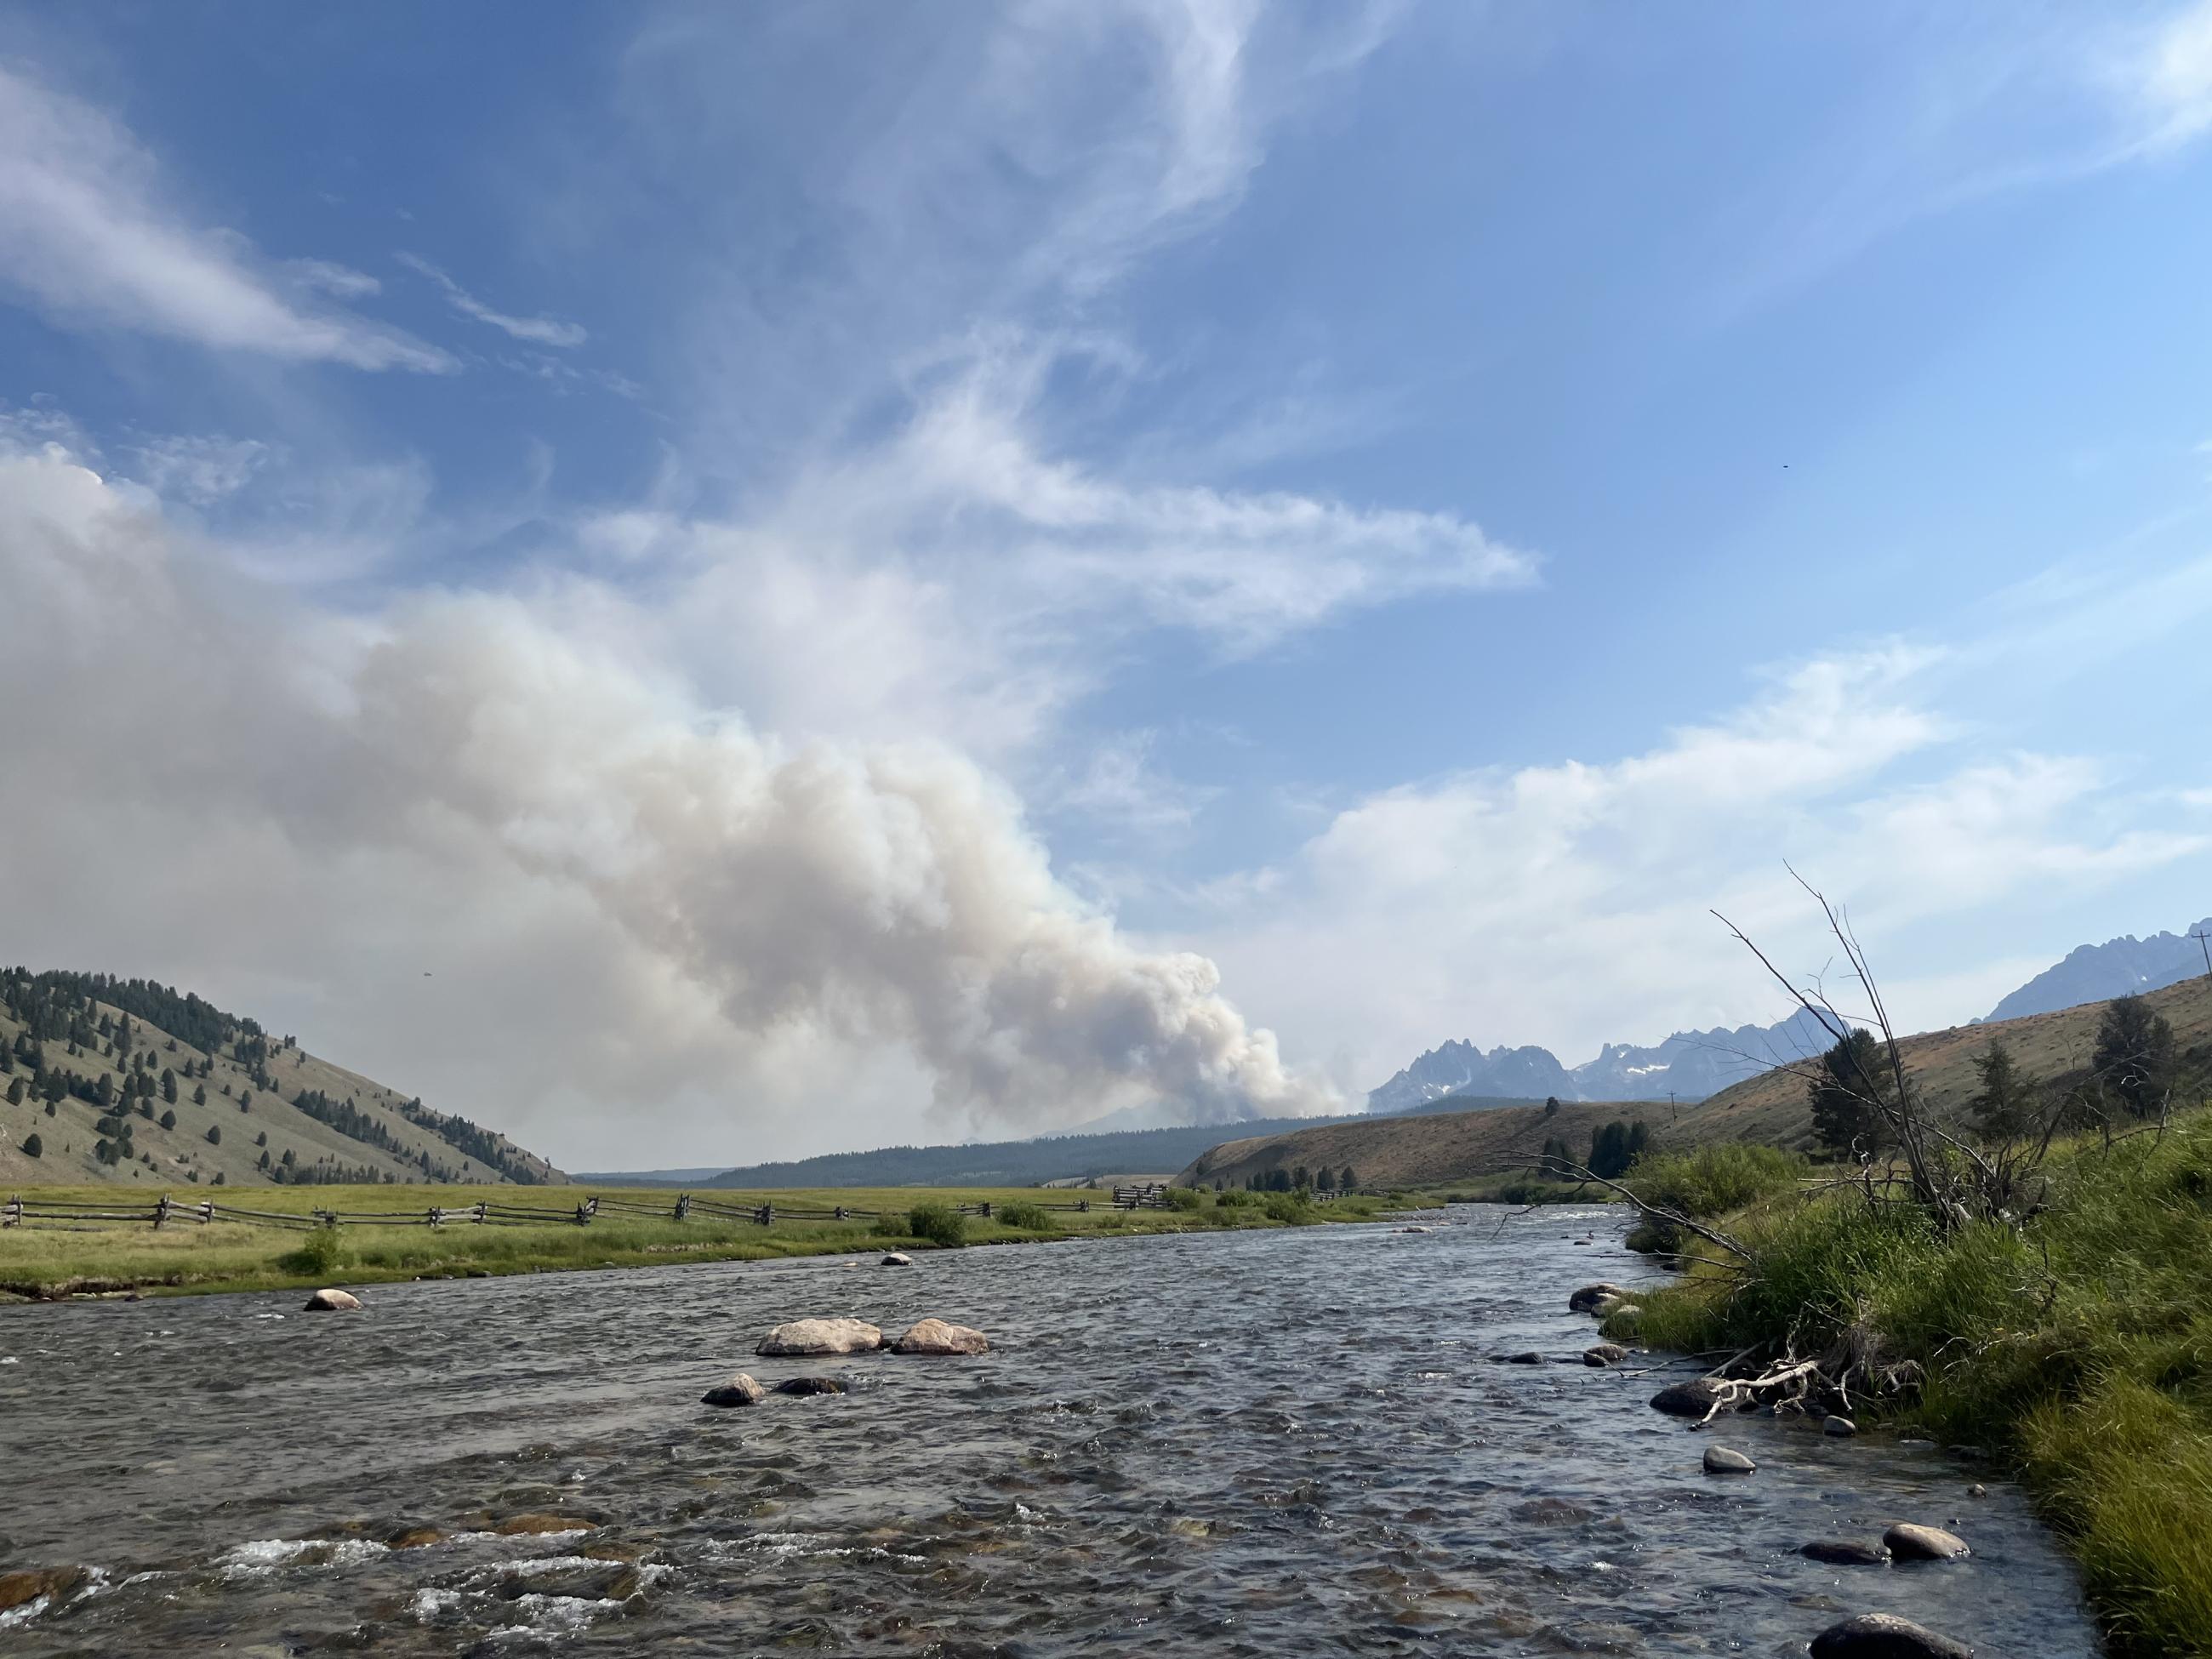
x=20 y=1211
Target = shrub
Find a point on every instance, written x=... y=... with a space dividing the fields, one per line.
x=1288 y=1206
x=1237 y=1198
x=318 y=1253
x=1709 y=1182
x=1186 y=1197
x=1029 y=1218
x=938 y=1222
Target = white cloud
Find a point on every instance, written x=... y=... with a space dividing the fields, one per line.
x=1569 y=904
x=88 y=235
x=342 y=281
x=2170 y=81
x=537 y=331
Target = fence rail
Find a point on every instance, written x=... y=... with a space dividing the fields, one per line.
x=20 y=1211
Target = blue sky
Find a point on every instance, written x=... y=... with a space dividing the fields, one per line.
x=846 y=574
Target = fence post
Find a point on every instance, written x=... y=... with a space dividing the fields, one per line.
x=435 y=1220
x=984 y=1209
x=1082 y=1206
x=161 y=1211
x=207 y=1211
x=482 y=1212
x=765 y=1215
x=15 y=1212
x=684 y=1206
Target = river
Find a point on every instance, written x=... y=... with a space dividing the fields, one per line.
x=1267 y=1444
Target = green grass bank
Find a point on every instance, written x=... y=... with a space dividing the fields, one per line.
x=45 y=1261
x=2074 y=1345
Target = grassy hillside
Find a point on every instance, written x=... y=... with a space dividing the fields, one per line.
x=1428 y=1149
x=95 y=1057
x=2055 y=1046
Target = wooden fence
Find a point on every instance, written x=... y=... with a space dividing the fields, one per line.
x=20 y=1211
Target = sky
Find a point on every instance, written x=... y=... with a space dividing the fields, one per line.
x=702 y=584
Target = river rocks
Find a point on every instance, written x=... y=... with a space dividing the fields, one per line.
x=897 y=1258
x=935 y=1336
x=1604 y=1353
x=413 y=1538
x=1720 y=1460
x=1841 y=1427
x=1846 y=1552
x=538 y=1525
x=803 y=1386
x=740 y=1390
x=1530 y=1358
x=21 y=1588
x=1692 y=1399
x=1885 y=1636
x=331 y=1300
x=1977 y=1490
x=1586 y=1299
x=821 y=1336
x=1413 y=1230
x=1908 y=1542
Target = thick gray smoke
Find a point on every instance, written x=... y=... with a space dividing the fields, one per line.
x=884 y=894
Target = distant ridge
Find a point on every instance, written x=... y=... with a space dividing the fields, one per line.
x=1008 y=1162
x=2119 y=966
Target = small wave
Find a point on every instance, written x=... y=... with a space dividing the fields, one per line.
x=266 y=1555
x=27 y=1612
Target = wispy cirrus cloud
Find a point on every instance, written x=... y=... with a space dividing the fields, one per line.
x=536 y=331
x=90 y=237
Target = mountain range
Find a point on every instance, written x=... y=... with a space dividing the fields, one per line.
x=1693 y=1064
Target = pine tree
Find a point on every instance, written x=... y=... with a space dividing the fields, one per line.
x=33 y=1147
x=1347 y=1181
x=1846 y=1096
x=2134 y=1057
x=1325 y=1179
x=168 y=1120
x=2005 y=1106
x=199 y=1094
x=214 y=1134
x=168 y=1085
x=15 y=1092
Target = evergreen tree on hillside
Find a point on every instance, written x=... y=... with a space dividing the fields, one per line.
x=16 y=1090
x=1846 y=1096
x=2135 y=1057
x=169 y=1085
x=2005 y=1106
x=168 y=1120
x=33 y=1147
x=214 y=1134
x=199 y=1093
x=1325 y=1179
x=1348 y=1180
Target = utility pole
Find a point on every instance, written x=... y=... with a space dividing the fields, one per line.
x=2205 y=944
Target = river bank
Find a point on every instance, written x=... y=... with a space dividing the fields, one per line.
x=44 y=1262
x=2074 y=1346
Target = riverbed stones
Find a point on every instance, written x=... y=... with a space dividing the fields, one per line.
x=803 y=1386
x=1692 y=1399
x=815 y=1337
x=1911 y=1542
x=332 y=1301
x=1604 y=1353
x=1841 y=1427
x=1885 y=1636
x=19 y=1589
x=1846 y=1552
x=1724 y=1460
x=1413 y=1230
x=1586 y=1299
x=935 y=1336
x=897 y=1258
x=740 y=1390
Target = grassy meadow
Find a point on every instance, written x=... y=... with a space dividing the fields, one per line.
x=51 y=1259
x=2074 y=1346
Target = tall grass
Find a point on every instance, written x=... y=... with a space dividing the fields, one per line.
x=2077 y=1345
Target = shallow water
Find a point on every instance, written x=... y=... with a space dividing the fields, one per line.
x=1279 y=1443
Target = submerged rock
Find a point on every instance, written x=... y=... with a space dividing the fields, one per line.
x=20 y=1588
x=1586 y=1299
x=332 y=1301
x=822 y=1336
x=414 y=1538
x=535 y=1525
x=1841 y=1427
x=1885 y=1636
x=1692 y=1399
x=897 y=1258
x=1531 y=1357
x=1846 y=1552
x=935 y=1336
x=1722 y=1460
x=1909 y=1542
x=808 y=1385
x=1604 y=1353
x=740 y=1390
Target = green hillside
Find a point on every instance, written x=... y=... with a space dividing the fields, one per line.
x=126 y=1081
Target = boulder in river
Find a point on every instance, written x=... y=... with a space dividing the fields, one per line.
x=1604 y=1353
x=1692 y=1399
x=806 y=1385
x=332 y=1301
x=20 y=1588
x=740 y=1390
x=413 y=1538
x=935 y=1336
x=897 y=1258
x=821 y=1336
x=1909 y=1542
x=1586 y=1299
x=1724 y=1460
x=1846 y=1552
x=1842 y=1427
x=1530 y=1357
x=1885 y=1636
